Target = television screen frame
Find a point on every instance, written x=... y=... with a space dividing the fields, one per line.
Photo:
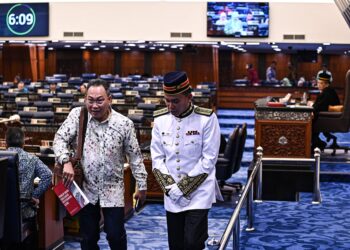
x=252 y=19
x=24 y=19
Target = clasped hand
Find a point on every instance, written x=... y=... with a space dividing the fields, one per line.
x=176 y=195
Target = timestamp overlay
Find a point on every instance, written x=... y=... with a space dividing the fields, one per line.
x=20 y=19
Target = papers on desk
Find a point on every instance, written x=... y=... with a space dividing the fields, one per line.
x=299 y=106
x=282 y=102
x=286 y=98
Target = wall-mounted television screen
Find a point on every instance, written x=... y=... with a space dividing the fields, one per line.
x=238 y=19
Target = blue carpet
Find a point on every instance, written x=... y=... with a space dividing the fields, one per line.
x=278 y=225
x=301 y=225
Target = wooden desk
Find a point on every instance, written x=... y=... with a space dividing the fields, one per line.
x=284 y=182
x=154 y=192
x=51 y=233
x=283 y=132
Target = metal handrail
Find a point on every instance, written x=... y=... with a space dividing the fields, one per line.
x=234 y=225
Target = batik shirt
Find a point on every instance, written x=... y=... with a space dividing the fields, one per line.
x=30 y=167
x=106 y=146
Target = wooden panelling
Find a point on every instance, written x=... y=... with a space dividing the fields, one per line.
x=41 y=62
x=244 y=97
x=133 y=62
x=215 y=52
x=225 y=68
x=163 y=62
x=69 y=62
x=87 y=61
x=16 y=61
x=24 y=60
x=281 y=66
x=33 y=62
x=202 y=63
x=198 y=63
x=103 y=62
x=339 y=65
x=50 y=62
x=240 y=60
x=308 y=70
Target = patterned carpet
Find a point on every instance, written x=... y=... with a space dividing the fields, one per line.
x=278 y=225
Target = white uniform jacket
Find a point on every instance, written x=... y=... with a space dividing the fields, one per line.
x=187 y=146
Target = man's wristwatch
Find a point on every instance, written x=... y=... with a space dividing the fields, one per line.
x=65 y=160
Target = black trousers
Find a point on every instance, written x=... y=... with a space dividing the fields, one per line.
x=113 y=226
x=187 y=230
x=32 y=241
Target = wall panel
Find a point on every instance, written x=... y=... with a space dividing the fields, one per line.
x=133 y=62
x=198 y=63
x=50 y=62
x=103 y=62
x=308 y=70
x=16 y=61
x=41 y=62
x=163 y=62
x=339 y=65
x=240 y=62
x=282 y=64
x=69 y=62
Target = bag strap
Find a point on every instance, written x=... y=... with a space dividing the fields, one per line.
x=82 y=130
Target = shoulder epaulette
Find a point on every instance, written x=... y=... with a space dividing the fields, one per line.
x=160 y=112
x=203 y=111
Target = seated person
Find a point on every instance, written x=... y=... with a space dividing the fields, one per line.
x=271 y=72
x=16 y=80
x=53 y=88
x=327 y=97
x=222 y=19
x=301 y=82
x=83 y=88
x=285 y=82
x=21 y=87
x=30 y=167
x=234 y=26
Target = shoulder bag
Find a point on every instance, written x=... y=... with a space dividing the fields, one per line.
x=76 y=160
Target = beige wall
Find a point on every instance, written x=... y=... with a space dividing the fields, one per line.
x=320 y=22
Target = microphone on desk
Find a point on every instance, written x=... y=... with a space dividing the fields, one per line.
x=304 y=99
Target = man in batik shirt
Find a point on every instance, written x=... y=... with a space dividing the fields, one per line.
x=109 y=137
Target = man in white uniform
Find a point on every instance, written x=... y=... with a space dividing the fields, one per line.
x=184 y=148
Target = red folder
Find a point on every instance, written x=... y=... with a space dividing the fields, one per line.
x=73 y=198
x=275 y=104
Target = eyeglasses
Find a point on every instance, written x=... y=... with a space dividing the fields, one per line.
x=98 y=101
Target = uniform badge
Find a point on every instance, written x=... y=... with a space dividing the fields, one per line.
x=192 y=132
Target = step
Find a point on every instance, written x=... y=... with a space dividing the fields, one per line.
x=239 y=112
x=232 y=123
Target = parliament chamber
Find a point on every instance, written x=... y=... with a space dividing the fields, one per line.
x=216 y=68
